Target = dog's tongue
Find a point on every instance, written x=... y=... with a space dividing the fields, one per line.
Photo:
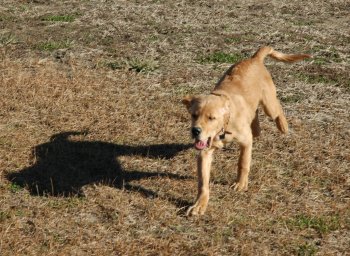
x=200 y=145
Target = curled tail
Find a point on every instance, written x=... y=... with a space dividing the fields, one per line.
x=268 y=51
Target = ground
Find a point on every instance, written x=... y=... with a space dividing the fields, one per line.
x=95 y=152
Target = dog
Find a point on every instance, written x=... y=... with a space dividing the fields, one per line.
x=230 y=112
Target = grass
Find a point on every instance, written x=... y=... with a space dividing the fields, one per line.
x=14 y=188
x=142 y=65
x=183 y=90
x=231 y=40
x=4 y=216
x=321 y=224
x=220 y=57
x=324 y=55
x=153 y=38
x=114 y=65
x=307 y=250
x=95 y=152
x=321 y=78
x=51 y=45
x=7 y=17
x=316 y=78
x=139 y=65
x=60 y=18
x=8 y=38
x=294 y=98
x=240 y=38
x=303 y=22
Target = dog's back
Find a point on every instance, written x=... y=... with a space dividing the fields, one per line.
x=250 y=77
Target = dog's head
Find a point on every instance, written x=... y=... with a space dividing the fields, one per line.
x=210 y=114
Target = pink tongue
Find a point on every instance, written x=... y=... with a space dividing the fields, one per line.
x=200 y=145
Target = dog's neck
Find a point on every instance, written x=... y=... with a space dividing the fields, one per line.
x=220 y=93
x=223 y=131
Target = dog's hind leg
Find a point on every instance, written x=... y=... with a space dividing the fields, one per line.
x=245 y=141
x=273 y=108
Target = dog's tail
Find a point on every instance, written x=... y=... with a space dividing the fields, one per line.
x=268 y=51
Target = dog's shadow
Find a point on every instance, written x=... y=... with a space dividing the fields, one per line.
x=61 y=167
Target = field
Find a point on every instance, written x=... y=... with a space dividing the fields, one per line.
x=95 y=152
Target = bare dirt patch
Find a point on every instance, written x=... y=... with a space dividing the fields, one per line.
x=95 y=154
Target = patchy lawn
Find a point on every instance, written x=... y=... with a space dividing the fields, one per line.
x=95 y=152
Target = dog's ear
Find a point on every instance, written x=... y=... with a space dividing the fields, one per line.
x=187 y=101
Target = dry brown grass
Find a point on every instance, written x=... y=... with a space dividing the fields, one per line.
x=94 y=147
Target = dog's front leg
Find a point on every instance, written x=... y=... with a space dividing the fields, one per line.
x=204 y=160
x=246 y=144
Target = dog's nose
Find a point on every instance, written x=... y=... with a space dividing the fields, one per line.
x=196 y=131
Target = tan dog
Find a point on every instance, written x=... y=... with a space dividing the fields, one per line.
x=230 y=112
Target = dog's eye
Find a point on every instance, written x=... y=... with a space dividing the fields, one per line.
x=194 y=116
x=211 y=118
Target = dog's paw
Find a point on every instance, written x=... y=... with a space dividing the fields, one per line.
x=241 y=185
x=195 y=210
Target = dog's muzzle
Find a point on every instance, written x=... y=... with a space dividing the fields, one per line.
x=196 y=131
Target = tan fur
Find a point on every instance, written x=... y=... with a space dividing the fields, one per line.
x=232 y=110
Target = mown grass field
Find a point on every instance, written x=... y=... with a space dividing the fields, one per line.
x=95 y=152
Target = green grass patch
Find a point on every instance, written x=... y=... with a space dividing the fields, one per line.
x=14 y=188
x=317 y=78
x=322 y=224
x=23 y=8
x=114 y=65
x=323 y=55
x=231 y=40
x=60 y=18
x=318 y=60
x=142 y=65
x=4 y=216
x=54 y=45
x=294 y=98
x=19 y=213
x=6 y=39
x=220 y=57
x=153 y=38
x=303 y=22
x=326 y=58
x=7 y=18
x=306 y=250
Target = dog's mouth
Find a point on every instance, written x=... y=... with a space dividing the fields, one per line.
x=202 y=144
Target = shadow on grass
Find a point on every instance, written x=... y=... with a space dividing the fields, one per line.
x=63 y=166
